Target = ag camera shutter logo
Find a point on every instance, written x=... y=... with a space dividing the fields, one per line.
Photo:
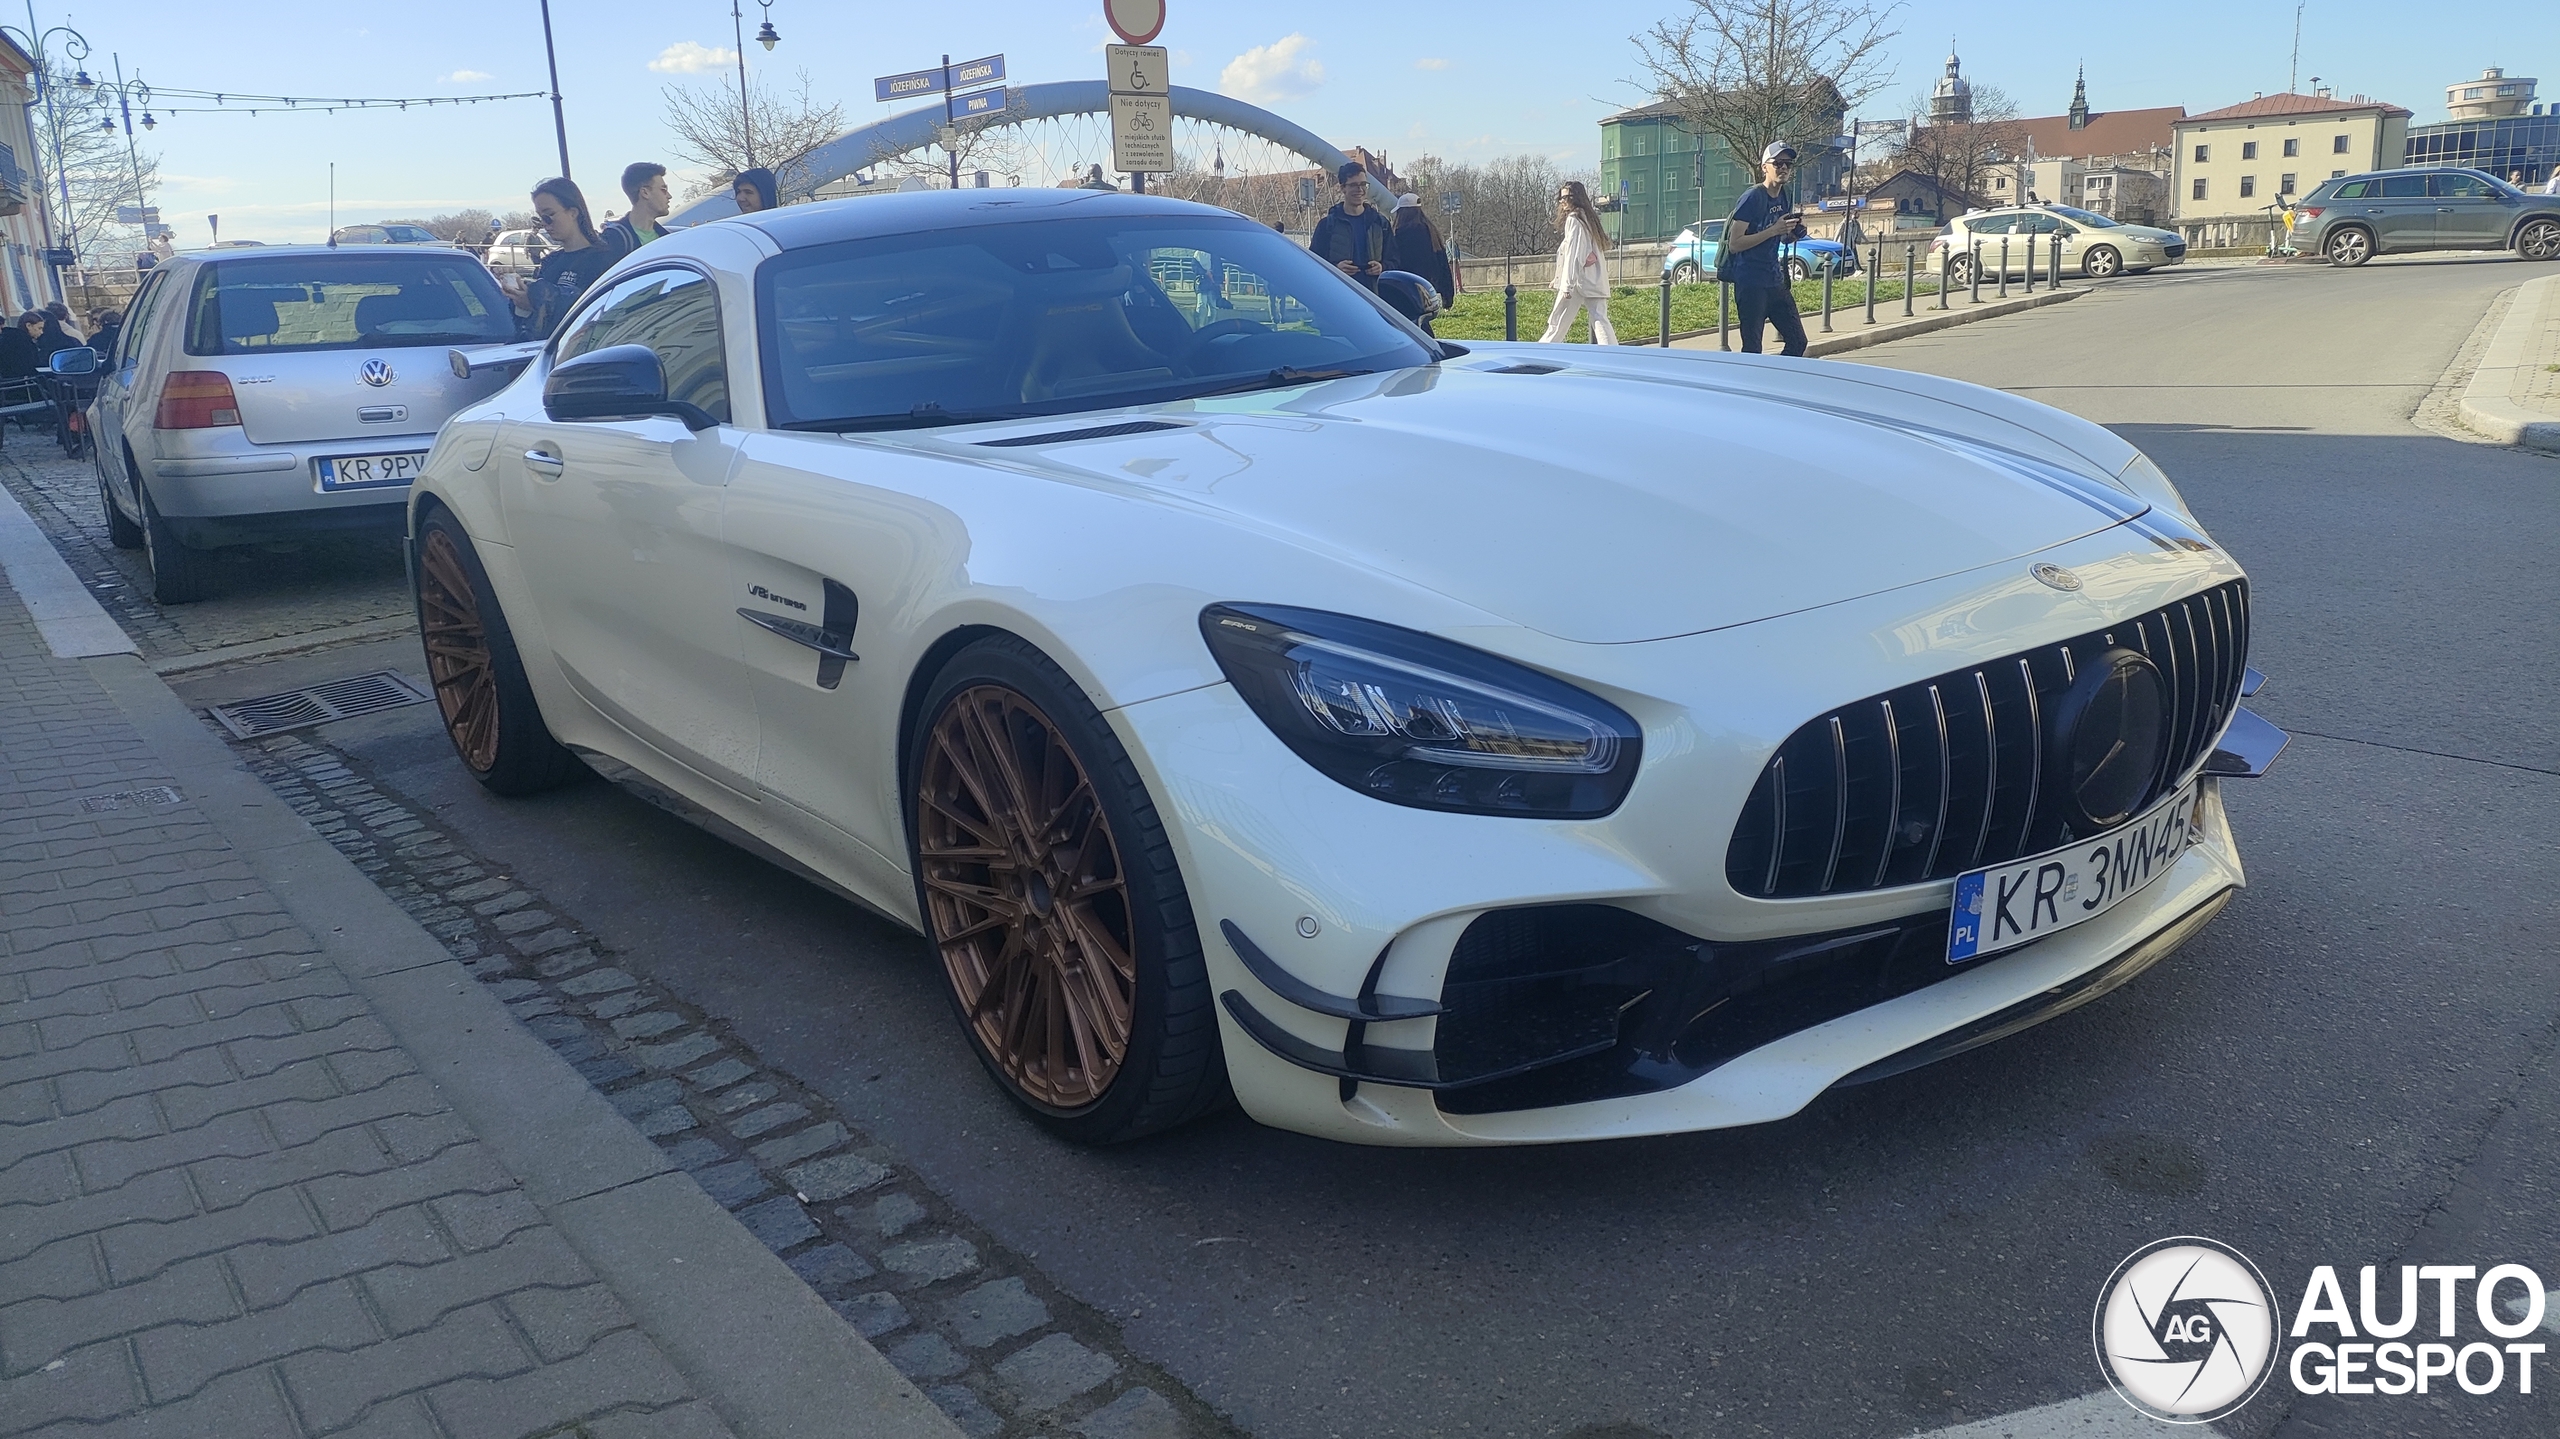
x=2186 y=1330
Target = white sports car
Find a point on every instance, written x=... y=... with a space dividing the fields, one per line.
x=1245 y=692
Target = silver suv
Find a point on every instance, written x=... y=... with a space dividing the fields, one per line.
x=2355 y=218
x=258 y=394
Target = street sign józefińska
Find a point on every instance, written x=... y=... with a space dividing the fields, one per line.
x=917 y=83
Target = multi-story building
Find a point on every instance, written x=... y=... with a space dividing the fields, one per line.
x=2496 y=126
x=1666 y=179
x=26 y=221
x=2234 y=163
x=2137 y=197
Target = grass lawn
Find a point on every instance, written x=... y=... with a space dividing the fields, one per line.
x=1635 y=310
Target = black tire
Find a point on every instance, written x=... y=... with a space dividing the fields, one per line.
x=1686 y=273
x=488 y=707
x=179 y=576
x=2348 y=247
x=1797 y=272
x=122 y=533
x=2100 y=262
x=1171 y=1069
x=2539 y=240
x=1960 y=272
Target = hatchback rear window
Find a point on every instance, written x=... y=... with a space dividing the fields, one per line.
x=291 y=303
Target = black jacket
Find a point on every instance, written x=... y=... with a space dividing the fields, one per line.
x=17 y=354
x=1358 y=238
x=1411 y=250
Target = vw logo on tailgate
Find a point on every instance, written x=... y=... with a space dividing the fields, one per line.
x=376 y=373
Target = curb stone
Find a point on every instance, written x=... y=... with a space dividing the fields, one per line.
x=1884 y=332
x=2488 y=402
x=996 y=1348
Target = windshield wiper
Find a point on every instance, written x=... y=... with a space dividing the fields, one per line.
x=918 y=417
x=1284 y=375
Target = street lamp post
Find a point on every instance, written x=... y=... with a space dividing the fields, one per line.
x=559 y=119
x=76 y=46
x=766 y=36
x=126 y=93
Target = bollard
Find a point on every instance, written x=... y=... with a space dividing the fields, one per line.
x=1664 y=339
x=1511 y=312
x=1723 y=342
x=1910 y=260
x=1871 y=281
x=2004 y=267
x=2053 y=277
x=1976 y=297
x=1943 y=257
x=1826 y=297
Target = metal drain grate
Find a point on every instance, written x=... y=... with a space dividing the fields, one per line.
x=336 y=700
x=151 y=797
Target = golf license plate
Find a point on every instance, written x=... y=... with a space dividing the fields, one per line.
x=367 y=472
x=2008 y=905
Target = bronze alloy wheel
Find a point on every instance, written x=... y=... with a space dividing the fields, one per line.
x=458 y=661
x=1027 y=897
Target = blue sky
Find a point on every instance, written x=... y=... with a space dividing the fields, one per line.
x=1465 y=81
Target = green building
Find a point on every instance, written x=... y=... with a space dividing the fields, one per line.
x=1665 y=179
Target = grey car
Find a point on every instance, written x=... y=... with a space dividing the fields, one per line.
x=260 y=394
x=2356 y=217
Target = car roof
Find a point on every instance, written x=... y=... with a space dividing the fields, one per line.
x=826 y=222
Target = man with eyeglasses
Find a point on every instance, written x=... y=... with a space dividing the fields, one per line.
x=1762 y=223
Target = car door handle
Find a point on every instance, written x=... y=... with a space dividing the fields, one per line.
x=543 y=463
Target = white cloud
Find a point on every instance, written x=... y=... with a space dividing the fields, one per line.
x=1281 y=70
x=1430 y=62
x=465 y=77
x=685 y=57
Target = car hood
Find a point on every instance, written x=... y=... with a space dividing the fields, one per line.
x=1618 y=499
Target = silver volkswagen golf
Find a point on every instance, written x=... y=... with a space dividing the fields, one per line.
x=260 y=395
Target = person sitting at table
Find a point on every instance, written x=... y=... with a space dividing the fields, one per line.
x=18 y=357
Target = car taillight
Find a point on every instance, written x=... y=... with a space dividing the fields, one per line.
x=197 y=400
x=2310 y=212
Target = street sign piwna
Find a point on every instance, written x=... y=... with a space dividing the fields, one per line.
x=1136 y=21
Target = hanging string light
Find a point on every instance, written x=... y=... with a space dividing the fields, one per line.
x=228 y=102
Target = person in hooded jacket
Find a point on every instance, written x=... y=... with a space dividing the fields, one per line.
x=1415 y=247
x=754 y=190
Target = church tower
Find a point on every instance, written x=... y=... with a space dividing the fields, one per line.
x=2080 y=100
x=1951 y=103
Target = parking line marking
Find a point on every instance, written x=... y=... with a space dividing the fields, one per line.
x=2091 y=1416
x=73 y=623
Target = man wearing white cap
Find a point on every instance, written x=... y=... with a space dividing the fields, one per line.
x=1762 y=222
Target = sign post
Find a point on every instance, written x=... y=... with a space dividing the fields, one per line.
x=1139 y=77
x=948 y=80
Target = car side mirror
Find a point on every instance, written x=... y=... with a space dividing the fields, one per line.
x=618 y=382
x=78 y=360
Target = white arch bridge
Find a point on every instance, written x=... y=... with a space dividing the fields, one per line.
x=1226 y=152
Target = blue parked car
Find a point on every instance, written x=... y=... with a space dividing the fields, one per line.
x=1693 y=255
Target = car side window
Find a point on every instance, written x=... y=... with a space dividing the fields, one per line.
x=2355 y=190
x=673 y=312
x=2404 y=187
x=2037 y=225
x=138 y=319
x=2459 y=187
x=1712 y=232
x=1991 y=224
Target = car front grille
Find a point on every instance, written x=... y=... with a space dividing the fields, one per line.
x=2177 y=249
x=1943 y=776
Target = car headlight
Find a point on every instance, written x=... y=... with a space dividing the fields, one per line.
x=2144 y=478
x=1414 y=720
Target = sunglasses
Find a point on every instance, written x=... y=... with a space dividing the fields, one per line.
x=1785 y=162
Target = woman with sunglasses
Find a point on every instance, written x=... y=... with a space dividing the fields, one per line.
x=1582 y=278
x=1762 y=223
x=576 y=260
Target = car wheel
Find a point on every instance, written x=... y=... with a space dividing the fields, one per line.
x=1685 y=273
x=1796 y=271
x=488 y=706
x=2100 y=262
x=2539 y=240
x=123 y=533
x=2349 y=248
x=1960 y=271
x=179 y=576
x=1051 y=894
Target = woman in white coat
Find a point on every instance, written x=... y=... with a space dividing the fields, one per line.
x=1582 y=278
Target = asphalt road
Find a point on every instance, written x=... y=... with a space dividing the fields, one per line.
x=2353 y=1066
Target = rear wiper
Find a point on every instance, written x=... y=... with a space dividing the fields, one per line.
x=1285 y=375
x=918 y=417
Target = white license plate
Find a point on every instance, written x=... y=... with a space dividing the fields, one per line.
x=2007 y=905
x=365 y=472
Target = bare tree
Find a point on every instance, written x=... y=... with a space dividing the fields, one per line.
x=986 y=144
x=1748 y=72
x=713 y=134
x=1961 y=157
x=84 y=146
x=468 y=227
x=1507 y=205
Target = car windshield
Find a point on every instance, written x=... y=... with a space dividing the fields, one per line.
x=2085 y=217
x=1002 y=321
x=272 y=305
